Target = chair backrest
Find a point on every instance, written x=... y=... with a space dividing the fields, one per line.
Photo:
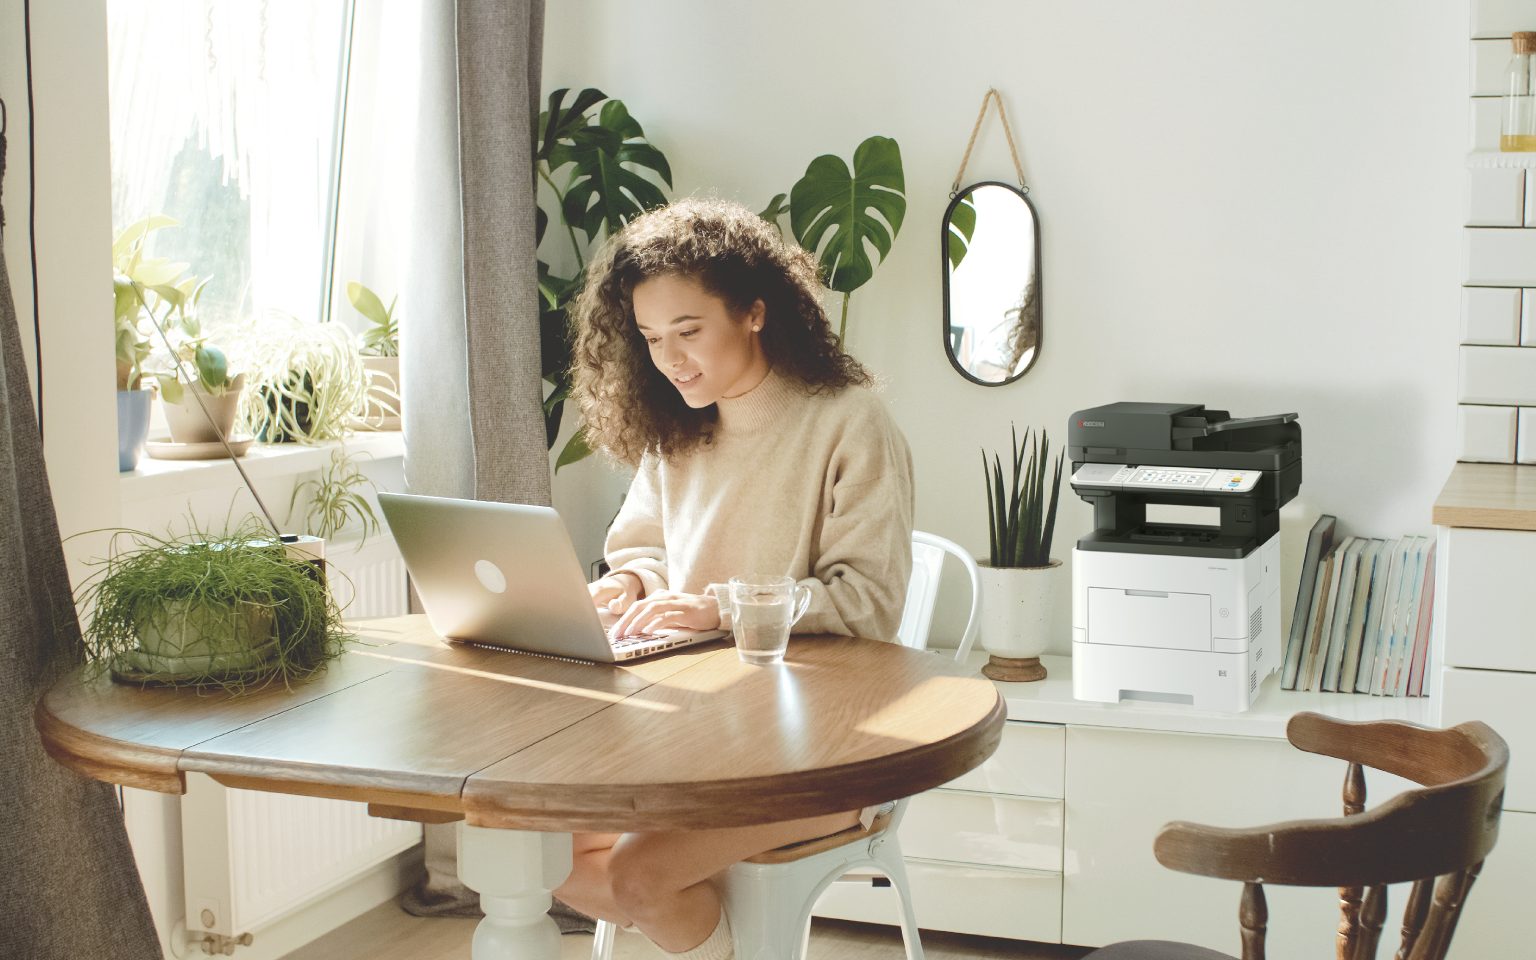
x=923 y=589
x=1436 y=836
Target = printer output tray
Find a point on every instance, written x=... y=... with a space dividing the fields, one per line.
x=1170 y=540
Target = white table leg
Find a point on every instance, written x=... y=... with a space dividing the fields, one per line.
x=514 y=872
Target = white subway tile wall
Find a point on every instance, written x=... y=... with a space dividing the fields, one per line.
x=1497 y=375
x=1525 y=439
x=1490 y=58
x=1528 y=321
x=1487 y=434
x=1499 y=258
x=1484 y=130
x=1530 y=199
x=1491 y=315
x=1496 y=197
x=1500 y=18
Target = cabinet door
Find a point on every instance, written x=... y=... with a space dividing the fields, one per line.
x=966 y=827
x=985 y=901
x=1504 y=702
x=1123 y=785
x=1491 y=921
x=1489 y=606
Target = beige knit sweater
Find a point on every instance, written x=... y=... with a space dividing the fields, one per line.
x=813 y=486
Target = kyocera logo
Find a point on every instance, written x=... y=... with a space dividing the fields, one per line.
x=1090 y=423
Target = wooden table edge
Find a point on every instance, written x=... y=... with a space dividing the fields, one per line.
x=106 y=759
x=617 y=808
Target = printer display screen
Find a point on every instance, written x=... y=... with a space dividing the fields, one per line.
x=1166 y=478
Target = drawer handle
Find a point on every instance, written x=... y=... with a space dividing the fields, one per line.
x=1147 y=593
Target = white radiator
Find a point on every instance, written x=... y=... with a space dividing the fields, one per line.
x=252 y=858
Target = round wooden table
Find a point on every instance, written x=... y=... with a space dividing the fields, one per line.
x=526 y=749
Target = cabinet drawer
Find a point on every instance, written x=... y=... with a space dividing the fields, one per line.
x=1020 y=832
x=1489 y=606
x=959 y=898
x=1503 y=701
x=1028 y=762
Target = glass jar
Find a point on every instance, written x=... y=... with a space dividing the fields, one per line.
x=1518 y=131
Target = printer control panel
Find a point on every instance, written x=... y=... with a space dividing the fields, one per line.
x=1189 y=479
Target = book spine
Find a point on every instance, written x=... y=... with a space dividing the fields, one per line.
x=1390 y=569
x=1321 y=596
x=1420 y=652
x=1343 y=608
x=1319 y=543
x=1388 y=658
x=1318 y=652
x=1358 y=617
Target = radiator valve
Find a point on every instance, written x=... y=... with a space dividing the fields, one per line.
x=217 y=943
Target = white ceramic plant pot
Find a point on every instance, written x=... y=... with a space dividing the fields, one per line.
x=1017 y=606
x=189 y=423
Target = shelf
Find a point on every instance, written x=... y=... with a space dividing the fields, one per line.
x=1495 y=496
x=1050 y=701
x=1494 y=159
x=157 y=478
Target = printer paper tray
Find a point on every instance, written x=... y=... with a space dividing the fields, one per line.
x=1142 y=618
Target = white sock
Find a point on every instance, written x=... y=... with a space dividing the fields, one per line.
x=717 y=946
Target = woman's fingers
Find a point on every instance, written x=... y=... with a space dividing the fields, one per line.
x=668 y=610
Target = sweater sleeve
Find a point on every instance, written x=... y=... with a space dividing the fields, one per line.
x=859 y=578
x=635 y=541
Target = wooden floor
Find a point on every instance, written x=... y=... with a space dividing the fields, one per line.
x=388 y=933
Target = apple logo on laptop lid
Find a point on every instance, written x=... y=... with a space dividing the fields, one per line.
x=490 y=576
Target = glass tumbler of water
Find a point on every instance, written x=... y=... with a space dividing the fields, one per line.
x=763 y=608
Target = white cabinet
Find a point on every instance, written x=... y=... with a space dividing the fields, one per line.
x=1490 y=606
x=983 y=853
x=1491 y=925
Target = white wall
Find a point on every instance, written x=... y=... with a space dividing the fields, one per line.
x=74 y=243
x=1243 y=204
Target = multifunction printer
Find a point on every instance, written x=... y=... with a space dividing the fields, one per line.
x=1164 y=609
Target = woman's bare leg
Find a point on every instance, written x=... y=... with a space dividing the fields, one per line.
x=587 y=888
x=661 y=880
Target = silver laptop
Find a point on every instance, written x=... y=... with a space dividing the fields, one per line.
x=506 y=575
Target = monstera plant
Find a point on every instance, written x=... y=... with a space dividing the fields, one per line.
x=593 y=163
x=832 y=212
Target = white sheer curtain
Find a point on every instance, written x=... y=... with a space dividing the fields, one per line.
x=257 y=85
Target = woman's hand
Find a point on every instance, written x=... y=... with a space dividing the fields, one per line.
x=668 y=610
x=617 y=592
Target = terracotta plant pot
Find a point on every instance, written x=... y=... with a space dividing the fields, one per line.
x=1017 y=606
x=188 y=422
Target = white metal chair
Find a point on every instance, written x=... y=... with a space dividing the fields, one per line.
x=769 y=898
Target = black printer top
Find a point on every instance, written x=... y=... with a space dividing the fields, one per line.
x=1182 y=434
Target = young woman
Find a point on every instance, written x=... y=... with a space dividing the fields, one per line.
x=704 y=358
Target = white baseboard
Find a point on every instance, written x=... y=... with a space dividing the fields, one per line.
x=379 y=884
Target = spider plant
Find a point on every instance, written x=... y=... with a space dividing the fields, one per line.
x=1019 y=523
x=237 y=610
x=305 y=382
x=336 y=498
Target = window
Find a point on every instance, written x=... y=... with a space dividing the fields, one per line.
x=226 y=116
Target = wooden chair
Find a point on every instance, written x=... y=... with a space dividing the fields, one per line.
x=1436 y=836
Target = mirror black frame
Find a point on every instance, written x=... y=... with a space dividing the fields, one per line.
x=949 y=345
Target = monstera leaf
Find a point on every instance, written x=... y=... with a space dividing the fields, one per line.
x=962 y=225
x=830 y=199
x=603 y=192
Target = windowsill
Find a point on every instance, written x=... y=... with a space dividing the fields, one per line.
x=1493 y=159
x=158 y=478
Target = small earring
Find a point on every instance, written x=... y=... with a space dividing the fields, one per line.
x=756 y=328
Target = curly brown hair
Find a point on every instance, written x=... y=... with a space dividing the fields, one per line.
x=630 y=407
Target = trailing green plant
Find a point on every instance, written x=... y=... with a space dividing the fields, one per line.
x=335 y=498
x=221 y=583
x=832 y=212
x=305 y=382
x=141 y=287
x=1020 y=525
x=383 y=338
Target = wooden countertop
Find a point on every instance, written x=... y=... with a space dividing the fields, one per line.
x=1496 y=496
x=692 y=739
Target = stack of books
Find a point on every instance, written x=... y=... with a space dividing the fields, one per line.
x=1363 y=613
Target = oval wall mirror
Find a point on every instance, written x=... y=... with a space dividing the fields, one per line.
x=992 y=319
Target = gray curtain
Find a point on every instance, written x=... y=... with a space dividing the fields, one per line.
x=68 y=884
x=470 y=360
x=470 y=355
